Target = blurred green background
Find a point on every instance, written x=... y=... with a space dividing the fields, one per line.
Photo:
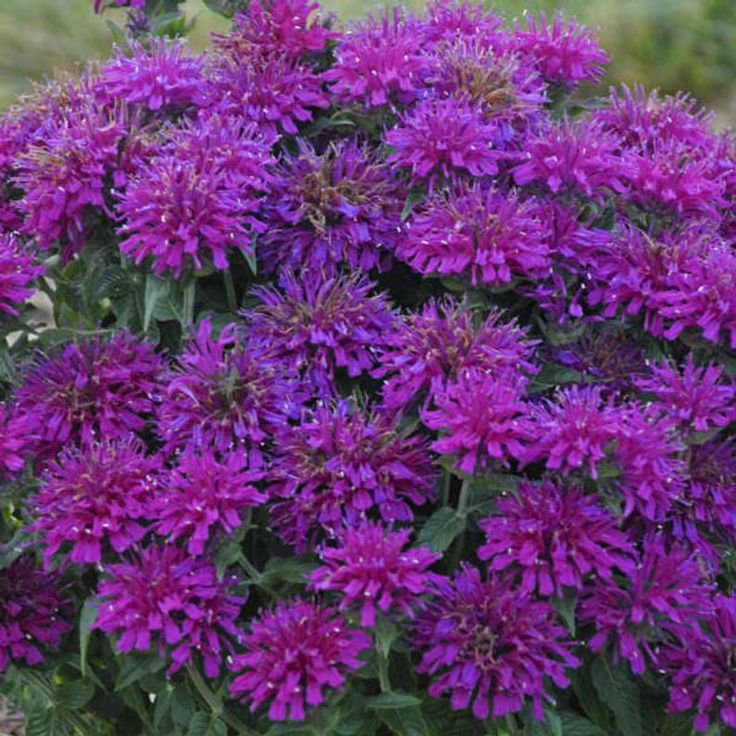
x=669 y=44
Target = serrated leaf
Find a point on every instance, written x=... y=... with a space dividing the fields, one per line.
x=565 y=606
x=395 y=700
x=621 y=695
x=440 y=529
x=576 y=725
x=87 y=617
x=183 y=706
x=404 y=721
x=199 y=725
x=386 y=634
x=157 y=301
x=75 y=695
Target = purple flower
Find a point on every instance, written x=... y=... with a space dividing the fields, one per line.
x=275 y=27
x=444 y=138
x=292 y=654
x=697 y=397
x=555 y=537
x=341 y=207
x=574 y=430
x=489 y=642
x=97 y=390
x=163 y=598
x=380 y=62
x=577 y=156
x=317 y=326
x=94 y=496
x=663 y=597
x=341 y=463
x=274 y=94
x=565 y=53
x=16 y=439
x=158 y=76
x=204 y=494
x=225 y=393
x=17 y=273
x=64 y=173
x=32 y=613
x=370 y=568
x=701 y=668
x=487 y=235
x=482 y=420
x=450 y=20
x=194 y=201
x=430 y=348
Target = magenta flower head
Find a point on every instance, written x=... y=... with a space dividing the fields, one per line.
x=165 y=599
x=33 y=610
x=380 y=62
x=100 y=389
x=292 y=654
x=698 y=397
x=275 y=94
x=65 y=173
x=702 y=669
x=203 y=495
x=430 y=348
x=450 y=20
x=664 y=596
x=485 y=235
x=482 y=420
x=17 y=273
x=444 y=138
x=194 y=201
x=93 y=497
x=225 y=393
x=270 y=28
x=318 y=326
x=564 y=52
x=338 y=208
x=578 y=157
x=489 y=642
x=371 y=569
x=574 y=430
x=340 y=464
x=554 y=537
x=158 y=76
x=16 y=440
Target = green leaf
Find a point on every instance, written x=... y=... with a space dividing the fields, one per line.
x=681 y=725
x=288 y=570
x=576 y=725
x=404 y=721
x=386 y=634
x=87 y=617
x=621 y=694
x=394 y=700
x=133 y=668
x=75 y=695
x=415 y=197
x=553 y=375
x=183 y=706
x=440 y=529
x=199 y=725
x=157 y=301
x=565 y=606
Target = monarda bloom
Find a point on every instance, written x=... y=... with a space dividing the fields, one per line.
x=225 y=393
x=17 y=274
x=269 y=28
x=554 y=537
x=95 y=497
x=443 y=138
x=574 y=429
x=482 y=420
x=487 y=642
x=316 y=326
x=450 y=20
x=432 y=347
x=32 y=613
x=158 y=77
x=340 y=464
x=380 y=62
x=663 y=597
x=338 y=208
x=275 y=95
x=485 y=235
x=204 y=495
x=165 y=599
x=65 y=174
x=371 y=569
x=16 y=438
x=697 y=397
x=564 y=52
x=194 y=201
x=292 y=654
x=96 y=390
x=701 y=668
x=576 y=157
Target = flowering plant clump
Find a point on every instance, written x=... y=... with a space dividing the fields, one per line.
x=388 y=386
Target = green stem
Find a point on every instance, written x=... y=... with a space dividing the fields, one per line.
x=232 y=298
x=254 y=575
x=462 y=502
x=446 y=485
x=190 y=292
x=383 y=676
x=215 y=705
